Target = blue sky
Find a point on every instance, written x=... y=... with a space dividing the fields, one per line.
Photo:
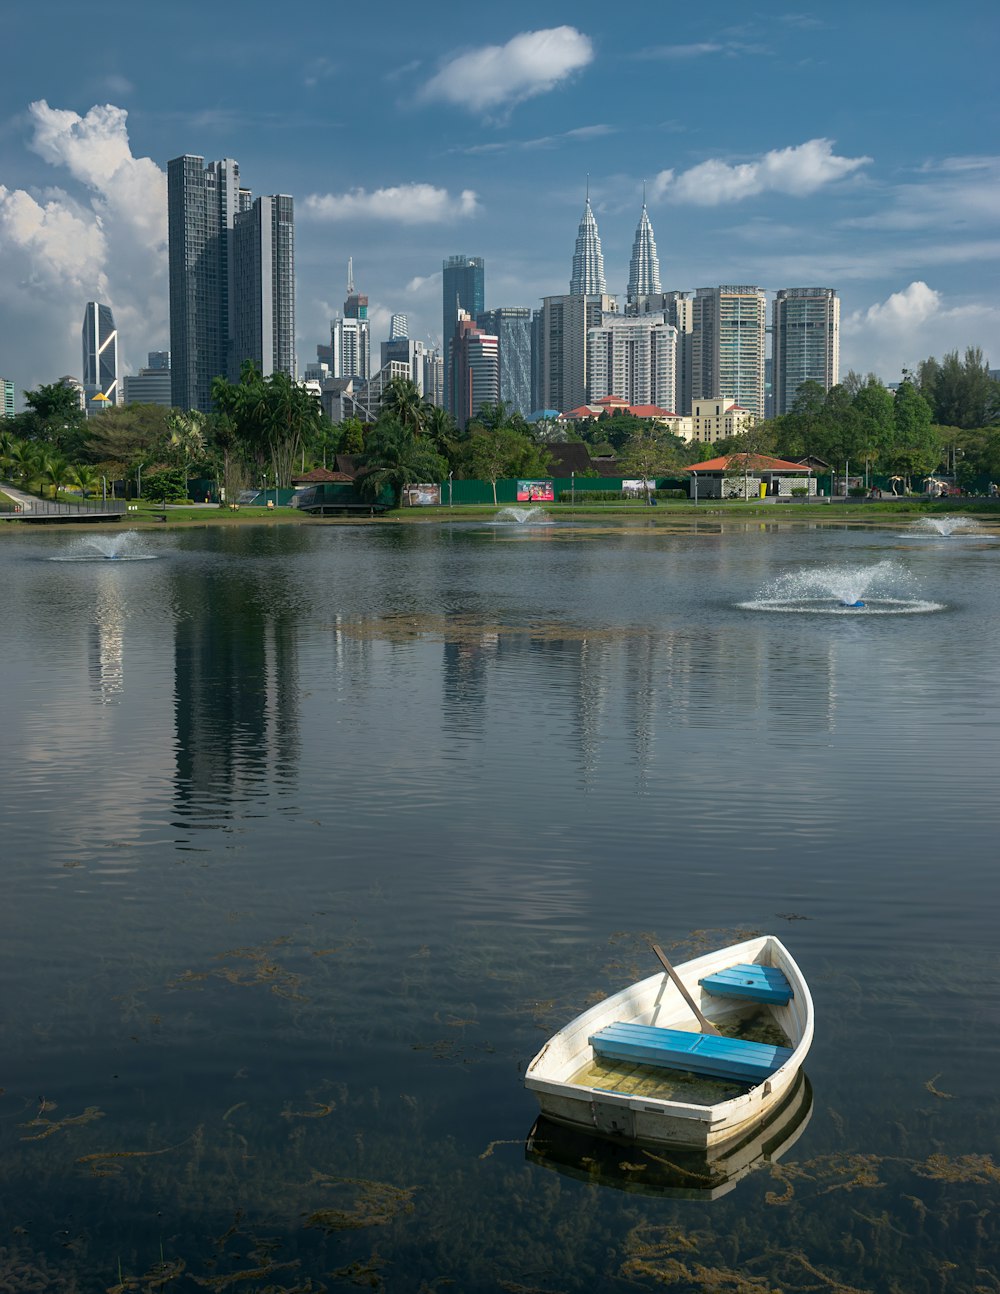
x=850 y=146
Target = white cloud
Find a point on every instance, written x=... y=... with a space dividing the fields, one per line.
x=406 y=204
x=494 y=76
x=101 y=237
x=95 y=150
x=909 y=325
x=50 y=242
x=796 y=171
x=672 y=52
x=902 y=310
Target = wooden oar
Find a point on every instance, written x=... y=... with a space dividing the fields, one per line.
x=706 y=1025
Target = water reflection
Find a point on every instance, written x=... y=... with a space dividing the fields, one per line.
x=236 y=694
x=661 y=1172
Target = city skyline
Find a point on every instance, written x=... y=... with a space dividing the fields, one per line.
x=505 y=123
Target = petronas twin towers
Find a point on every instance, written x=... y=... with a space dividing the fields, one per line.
x=588 y=261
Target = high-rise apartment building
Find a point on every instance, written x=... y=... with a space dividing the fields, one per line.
x=674 y=308
x=475 y=369
x=100 y=358
x=220 y=281
x=729 y=327
x=463 y=287
x=202 y=201
x=6 y=398
x=633 y=357
x=148 y=386
x=424 y=367
x=805 y=342
x=566 y=321
x=350 y=334
x=512 y=327
x=644 y=267
x=263 y=266
x=537 y=385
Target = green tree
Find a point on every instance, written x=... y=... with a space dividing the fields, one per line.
x=649 y=453
x=440 y=430
x=873 y=405
x=403 y=403
x=165 y=485
x=55 y=471
x=187 y=439
x=352 y=437
x=126 y=438
x=394 y=458
x=84 y=478
x=53 y=418
x=270 y=417
x=961 y=393
x=915 y=449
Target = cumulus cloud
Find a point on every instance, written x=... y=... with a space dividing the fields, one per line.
x=909 y=325
x=796 y=171
x=406 y=204
x=496 y=76
x=95 y=150
x=101 y=236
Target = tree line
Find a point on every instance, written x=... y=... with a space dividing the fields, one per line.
x=943 y=417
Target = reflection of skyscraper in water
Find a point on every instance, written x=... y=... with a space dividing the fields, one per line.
x=235 y=694
x=467 y=661
x=107 y=642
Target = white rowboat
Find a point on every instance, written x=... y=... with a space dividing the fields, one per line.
x=636 y=1065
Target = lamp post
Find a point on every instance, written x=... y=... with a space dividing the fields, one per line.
x=572 y=489
x=450 y=475
x=695 y=475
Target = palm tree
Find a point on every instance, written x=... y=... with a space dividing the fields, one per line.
x=439 y=428
x=56 y=470
x=395 y=458
x=187 y=437
x=404 y=403
x=84 y=478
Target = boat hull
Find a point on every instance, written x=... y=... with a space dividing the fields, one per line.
x=656 y=1001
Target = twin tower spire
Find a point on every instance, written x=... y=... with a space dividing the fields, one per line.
x=588 y=261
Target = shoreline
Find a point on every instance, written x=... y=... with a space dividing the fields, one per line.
x=861 y=513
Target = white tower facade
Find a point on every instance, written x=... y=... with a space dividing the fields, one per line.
x=805 y=342
x=587 y=278
x=644 y=267
x=635 y=358
x=727 y=345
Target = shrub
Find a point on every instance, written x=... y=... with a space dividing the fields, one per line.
x=799 y=492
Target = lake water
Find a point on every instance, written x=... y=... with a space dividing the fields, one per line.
x=312 y=835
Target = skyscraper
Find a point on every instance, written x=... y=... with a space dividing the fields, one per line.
x=644 y=267
x=727 y=345
x=263 y=263
x=566 y=321
x=805 y=342
x=100 y=357
x=634 y=358
x=511 y=325
x=475 y=369
x=350 y=334
x=202 y=202
x=463 y=287
x=231 y=291
x=6 y=398
x=397 y=327
x=587 y=278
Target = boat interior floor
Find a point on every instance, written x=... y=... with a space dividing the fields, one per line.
x=752 y=1024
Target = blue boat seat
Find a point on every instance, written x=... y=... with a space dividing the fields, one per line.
x=758 y=983
x=698 y=1053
